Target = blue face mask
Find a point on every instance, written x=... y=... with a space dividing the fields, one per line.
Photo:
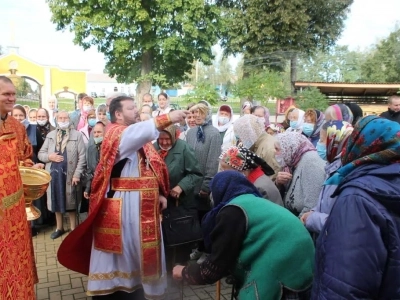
x=293 y=124
x=308 y=128
x=321 y=149
x=92 y=122
x=108 y=116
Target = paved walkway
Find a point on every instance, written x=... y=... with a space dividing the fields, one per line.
x=56 y=282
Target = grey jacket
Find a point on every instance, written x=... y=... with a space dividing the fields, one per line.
x=308 y=178
x=76 y=162
x=207 y=154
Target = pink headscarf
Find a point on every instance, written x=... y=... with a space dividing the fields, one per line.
x=293 y=146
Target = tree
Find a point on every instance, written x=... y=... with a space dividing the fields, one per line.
x=271 y=32
x=149 y=41
x=22 y=86
x=311 y=97
x=202 y=91
x=383 y=61
x=337 y=64
x=261 y=86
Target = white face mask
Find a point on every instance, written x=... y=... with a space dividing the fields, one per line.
x=41 y=122
x=279 y=159
x=165 y=149
x=98 y=140
x=86 y=108
x=223 y=120
x=63 y=125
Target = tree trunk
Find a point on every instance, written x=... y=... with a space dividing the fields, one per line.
x=145 y=85
x=293 y=71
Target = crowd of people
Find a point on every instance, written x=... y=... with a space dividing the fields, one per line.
x=304 y=209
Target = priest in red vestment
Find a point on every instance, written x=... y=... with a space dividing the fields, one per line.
x=17 y=264
x=119 y=245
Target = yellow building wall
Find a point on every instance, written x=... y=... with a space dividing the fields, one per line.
x=74 y=80
x=25 y=67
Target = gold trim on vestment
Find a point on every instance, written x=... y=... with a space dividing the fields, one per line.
x=112 y=275
x=151 y=244
x=128 y=290
x=108 y=230
x=12 y=199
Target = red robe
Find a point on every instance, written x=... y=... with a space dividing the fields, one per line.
x=17 y=263
x=74 y=252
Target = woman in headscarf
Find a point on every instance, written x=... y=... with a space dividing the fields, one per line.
x=223 y=121
x=206 y=142
x=101 y=114
x=250 y=131
x=313 y=121
x=334 y=136
x=340 y=112
x=52 y=104
x=183 y=168
x=359 y=252
x=286 y=122
x=163 y=105
x=246 y=108
x=63 y=152
x=303 y=172
x=266 y=248
x=263 y=113
x=256 y=170
x=296 y=120
x=356 y=110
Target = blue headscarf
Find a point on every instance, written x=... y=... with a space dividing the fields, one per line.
x=225 y=187
x=373 y=140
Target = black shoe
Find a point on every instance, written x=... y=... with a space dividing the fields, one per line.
x=34 y=231
x=56 y=234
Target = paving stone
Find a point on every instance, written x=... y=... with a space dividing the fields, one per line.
x=42 y=293
x=72 y=291
x=60 y=288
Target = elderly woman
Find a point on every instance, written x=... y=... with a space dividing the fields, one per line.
x=163 y=105
x=206 y=142
x=183 y=168
x=334 y=135
x=250 y=130
x=266 y=248
x=223 y=121
x=63 y=152
x=313 y=121
x=190 y=121
x=296 y=120
x=263 y=113
x=101 y=113
x=304 y=172
x=359 y=254
x=256 y=170
x=340 y=112
x=52 y=105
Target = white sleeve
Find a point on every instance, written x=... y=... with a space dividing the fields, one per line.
x=135 y=136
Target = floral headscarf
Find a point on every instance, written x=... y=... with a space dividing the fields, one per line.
x=373 y=140
x=225 y=186
x=293 y=146
x=342 y=112
x=248 y=129
x=338 y=132
x=318 y=125
x=242 y=159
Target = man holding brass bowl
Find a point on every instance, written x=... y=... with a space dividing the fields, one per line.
x=17 y=264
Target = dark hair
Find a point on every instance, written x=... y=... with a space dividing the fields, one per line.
x=253 y=109
x=148 y=94
x=5 y=79
x=163 y=94
x=356 y=110
x=81 y=95
x=47 y=113
x=190 y=105
x=21 y=108
x=116 y=105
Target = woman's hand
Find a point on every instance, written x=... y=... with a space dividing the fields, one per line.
x=75 y=181
x=55 y=157
x=283 y=177
x=176 y=192
x=177 y=272
x=163 y=202
x=86 y=195
x=38 y=166
x=305 y=216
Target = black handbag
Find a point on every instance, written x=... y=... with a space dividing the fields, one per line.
x=180 y=225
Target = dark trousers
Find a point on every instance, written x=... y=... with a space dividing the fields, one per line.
x=120 y=295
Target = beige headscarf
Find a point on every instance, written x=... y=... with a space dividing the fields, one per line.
x=248 y=129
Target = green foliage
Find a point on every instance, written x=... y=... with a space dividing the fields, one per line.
x=202 y=91
x=337 y=64
x=270 y=32
x=261 y=86
x=383 y=61
x=311 y=97
x=22 y=86
x=152 y=40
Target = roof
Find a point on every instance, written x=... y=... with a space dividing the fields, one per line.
x=100 y=77
x=360 y=89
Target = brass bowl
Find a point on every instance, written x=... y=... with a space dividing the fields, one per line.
x=35 y=183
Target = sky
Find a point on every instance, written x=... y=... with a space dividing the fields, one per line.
x=27 y=24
